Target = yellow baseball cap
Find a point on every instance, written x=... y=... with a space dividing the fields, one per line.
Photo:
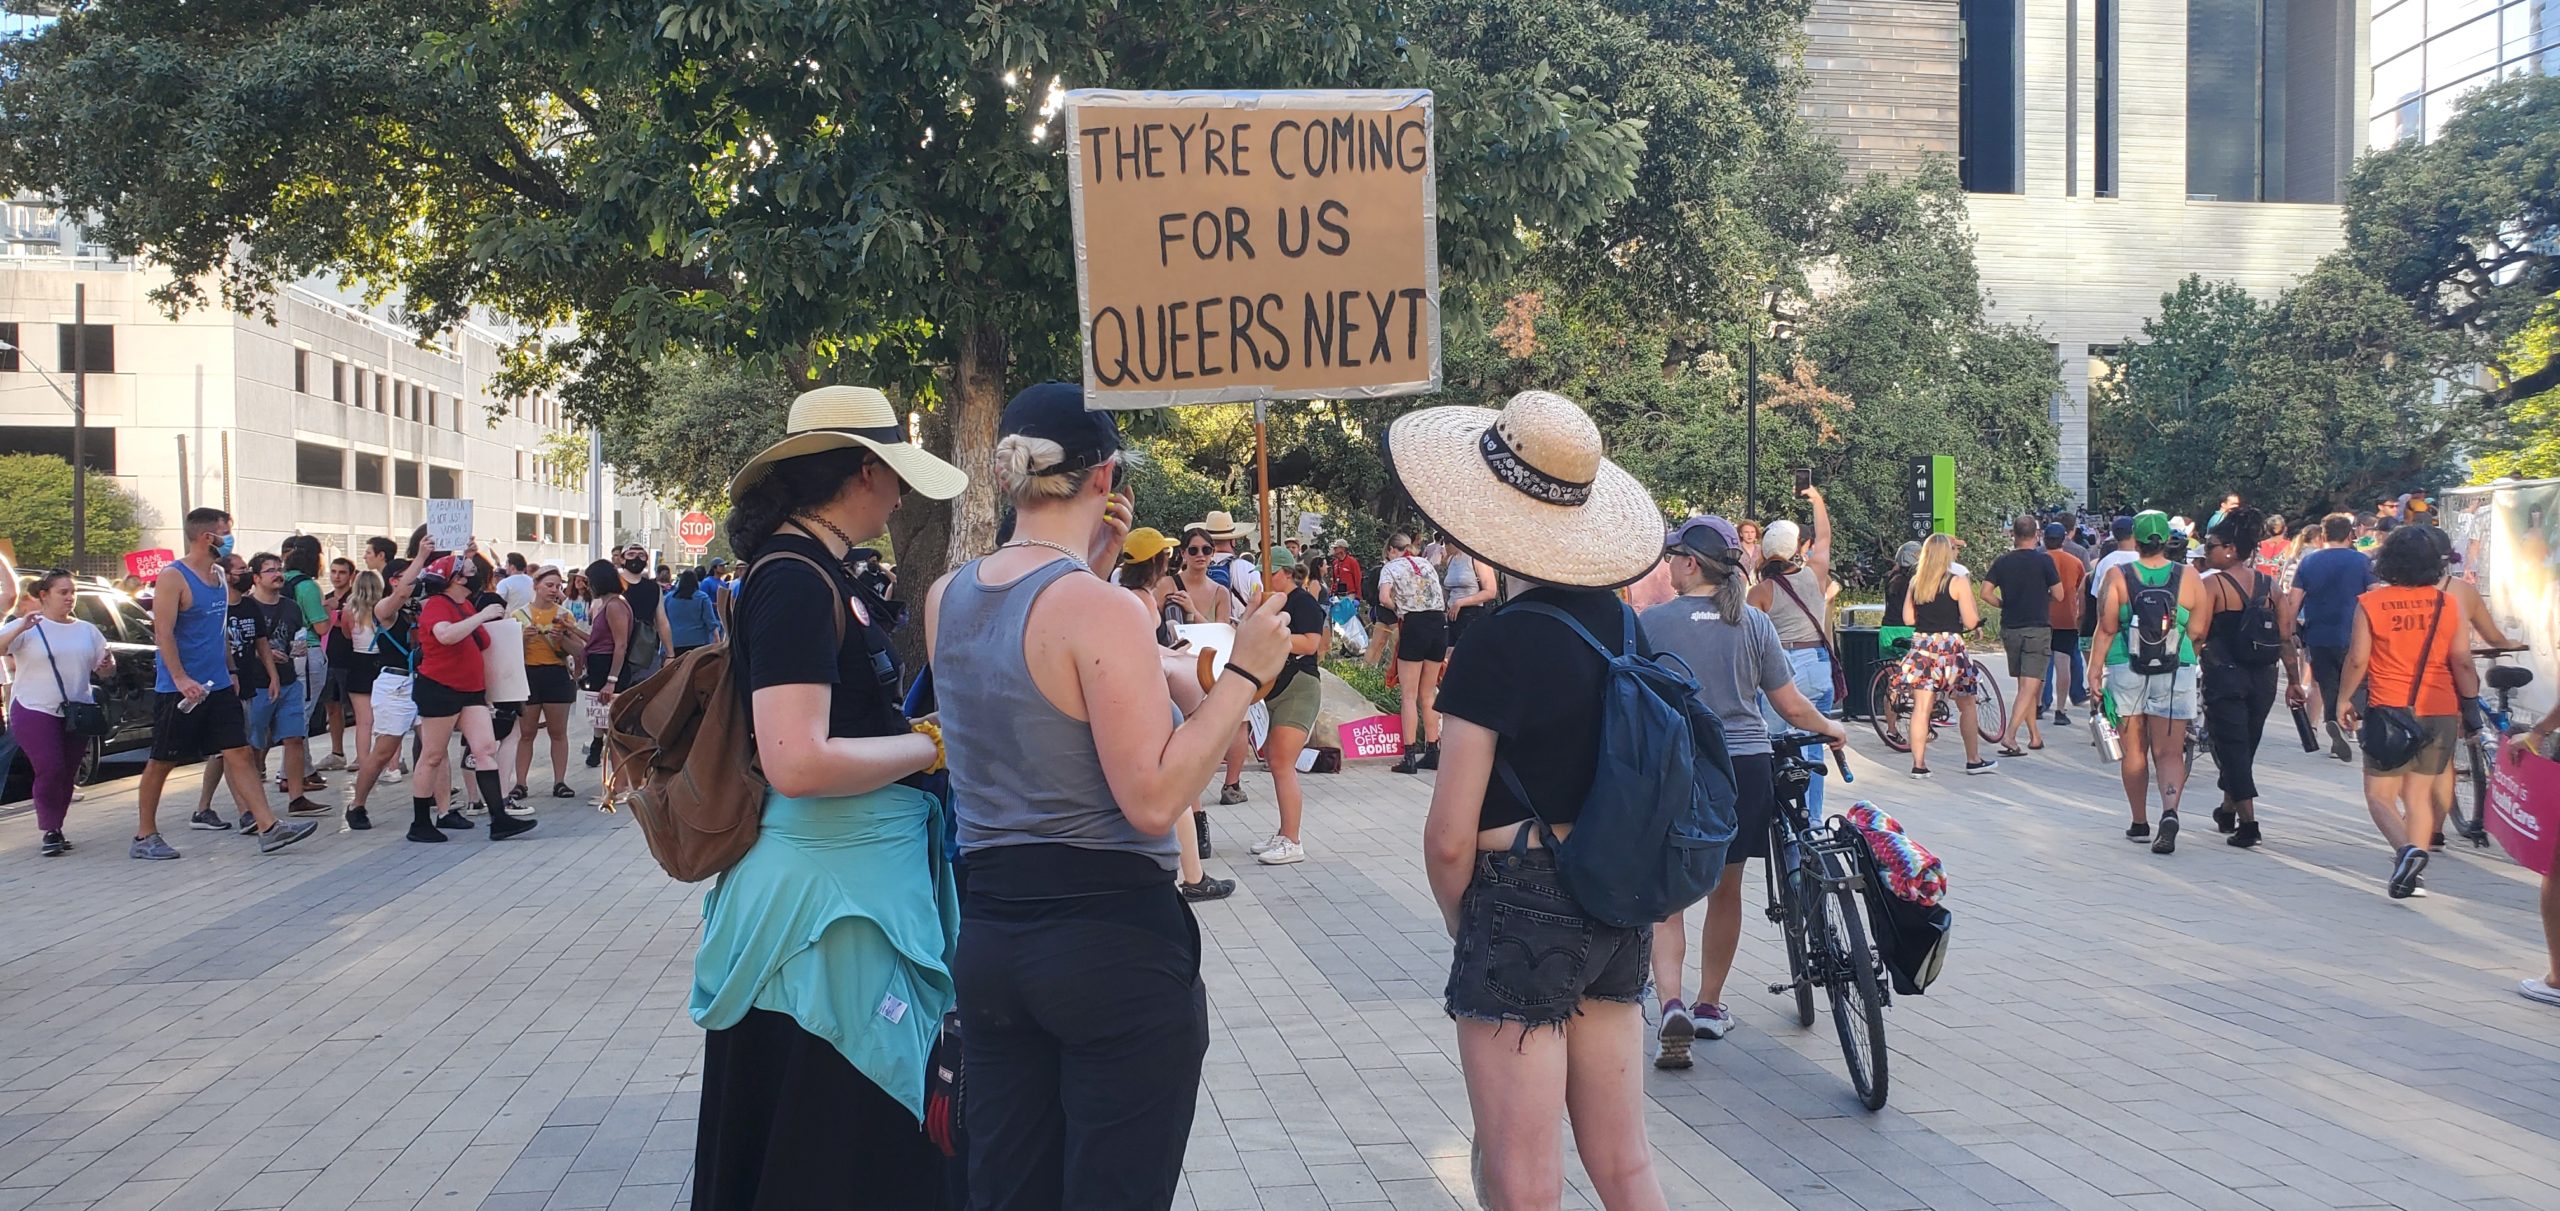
x=1143 y=544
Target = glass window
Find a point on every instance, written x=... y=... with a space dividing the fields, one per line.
x=2531 y=26
x=528 y=527
x=368 y=473
x=2223 y=39
x=405 y=479
x=2443 y=15
x=9 y=356
x=359 y=400
x=444 y=483
x=2398 y=29
x=2106 y=95
x=1989 y=97
x=137 y=622
x=2445 y=104
x=94 y=610
x=2399 y=80
x=302 y=372
x=319 y=466
x=2457 y=53
x=550 y=528
x=338 y=380
x=99 y=346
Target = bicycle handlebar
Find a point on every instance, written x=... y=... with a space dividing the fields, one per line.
x=1790 y=746
x=2494 y=653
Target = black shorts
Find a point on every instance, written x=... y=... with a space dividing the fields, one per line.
x=600 y=665
x=1422 y=636
x=1458 y=622
x=217 y=725
x=549 y=684
x=439 y=701
x=357 y=672
x=1527 y=954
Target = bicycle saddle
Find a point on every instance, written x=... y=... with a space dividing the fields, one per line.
x=2509 y=677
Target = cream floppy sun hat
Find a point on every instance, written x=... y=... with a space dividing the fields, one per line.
x=1526 y=488
x=830 y=418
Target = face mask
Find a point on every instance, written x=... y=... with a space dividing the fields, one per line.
x=222 y=547
x=635 y=565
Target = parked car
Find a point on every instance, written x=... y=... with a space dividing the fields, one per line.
x=126 y=692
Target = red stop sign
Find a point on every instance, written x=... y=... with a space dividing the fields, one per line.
x=694 y=530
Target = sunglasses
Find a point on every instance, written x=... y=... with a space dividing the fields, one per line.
x=1195 y=550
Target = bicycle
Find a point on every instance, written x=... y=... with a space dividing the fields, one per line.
x=2474 y=757
x=1818 y=881
x=1892 y=704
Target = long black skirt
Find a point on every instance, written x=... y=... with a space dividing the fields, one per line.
x=789 y=1123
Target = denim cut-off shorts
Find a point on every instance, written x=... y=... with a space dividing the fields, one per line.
x=1527 y=954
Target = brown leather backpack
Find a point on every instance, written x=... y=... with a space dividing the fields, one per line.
x=680 y=751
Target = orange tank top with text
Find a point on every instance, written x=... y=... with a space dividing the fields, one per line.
x=2398 y=617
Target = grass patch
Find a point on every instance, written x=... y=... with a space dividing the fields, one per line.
x=1372 y=683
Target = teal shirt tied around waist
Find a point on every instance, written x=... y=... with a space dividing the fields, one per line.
x=843 y=916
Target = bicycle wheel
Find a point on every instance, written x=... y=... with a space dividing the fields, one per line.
x=1990 y=706
x=1857 y=998
x=2471 y=781
x=1785 y=908
x=1892 y=705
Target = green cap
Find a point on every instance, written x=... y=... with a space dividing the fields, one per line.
x=2151 y=525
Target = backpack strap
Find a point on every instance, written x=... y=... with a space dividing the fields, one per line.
x=1575 y=625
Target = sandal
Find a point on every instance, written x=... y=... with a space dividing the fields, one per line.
x=560 y=790
x=2011 y=750
x=2037 y=745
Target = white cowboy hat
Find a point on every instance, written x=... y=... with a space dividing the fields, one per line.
x=832 y=418
x=1527 y=489
x=1218 y=525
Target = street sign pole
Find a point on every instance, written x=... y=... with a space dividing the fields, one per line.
x=80 y=428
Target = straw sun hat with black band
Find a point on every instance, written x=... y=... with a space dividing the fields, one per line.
x=1527 y=490
x=831 y=418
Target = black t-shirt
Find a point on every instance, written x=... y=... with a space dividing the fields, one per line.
x=2025 y=580
x=1305 y=618
x=250 y=621
x=1897 y=591
x=642 y=597
x=785 y=612
x=1535 y=685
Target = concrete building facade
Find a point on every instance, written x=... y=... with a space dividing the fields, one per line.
x=2108 y=149
x=330 y=421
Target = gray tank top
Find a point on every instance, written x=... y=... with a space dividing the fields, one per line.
x=1022 y=771
x=1795 y=626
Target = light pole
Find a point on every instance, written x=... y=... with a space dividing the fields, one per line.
x=77 y=400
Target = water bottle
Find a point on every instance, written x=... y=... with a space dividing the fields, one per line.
x=2302 y=724
x=2102 y=730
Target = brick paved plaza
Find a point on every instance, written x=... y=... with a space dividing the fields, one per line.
x=364 y=1022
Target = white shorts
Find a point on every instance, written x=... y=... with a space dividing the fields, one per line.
x=394 y=711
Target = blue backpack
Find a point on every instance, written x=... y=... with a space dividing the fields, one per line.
x=1652 y=834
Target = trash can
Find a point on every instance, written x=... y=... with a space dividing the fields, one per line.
x=1861 y=650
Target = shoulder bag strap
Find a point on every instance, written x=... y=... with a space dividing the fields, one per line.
x=38 y=627
x=2418 y=668
x=1543 y=609
x=1820 y=632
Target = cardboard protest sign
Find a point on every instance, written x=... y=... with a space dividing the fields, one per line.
x=1237 y=246
x=449 y=524
x=1375 y=736
x=145 y=566
x=504 y=661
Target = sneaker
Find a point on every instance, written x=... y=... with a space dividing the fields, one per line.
x=152 y=849
x=391 y=776
x=54 y=845
x=2538 y=990
x=425 y=833
x=248 y=826
x=284 y=833
x=2225 y=818
x=1263 y=846
x=2138 y=832
x=1412 y=762
x=1230 y=794
x=2244 y=836
x=2167 y=841
x=1206 y=889
x=2061 y=718
x=2404 y=872
x=1677 y=1033
x=2419 y=890
x=314 y=782
x=456 y=821
x=333 y=761
x=1919 y=771
x=1283 y=851
x=2338 y=744
x=358 y=819
x=1713 y=1021
x=305 y=807
x=1430 y=756
x=209 y=820
x=2436 y=841
x=1981 y=767
x=503 y=826
x=524 y=809
x=475 y=808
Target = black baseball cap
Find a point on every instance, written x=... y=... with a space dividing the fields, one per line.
x=1056 y=411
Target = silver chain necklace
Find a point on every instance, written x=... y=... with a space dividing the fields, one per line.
x=1072 y=557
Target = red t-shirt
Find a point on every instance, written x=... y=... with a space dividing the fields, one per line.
x=455 y=666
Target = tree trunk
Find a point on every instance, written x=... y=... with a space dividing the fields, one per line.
x=931 y=537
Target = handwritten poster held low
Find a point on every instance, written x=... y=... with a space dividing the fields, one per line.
x=2524 y=808
x=1237 y=246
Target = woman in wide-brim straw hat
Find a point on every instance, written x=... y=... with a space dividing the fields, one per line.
x=813 y=1080
x=1526 y=490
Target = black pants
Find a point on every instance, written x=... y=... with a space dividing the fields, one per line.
x=2327 y=666
x=1085 y=1020
x=787 y=1121
x=2236 y=701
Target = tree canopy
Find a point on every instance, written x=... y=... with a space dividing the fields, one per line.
x=35 y=512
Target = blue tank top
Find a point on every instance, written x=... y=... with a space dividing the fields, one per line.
x=200 y=630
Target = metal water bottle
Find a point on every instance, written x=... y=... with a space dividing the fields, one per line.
x=2302 y=724
x=2103 y=733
